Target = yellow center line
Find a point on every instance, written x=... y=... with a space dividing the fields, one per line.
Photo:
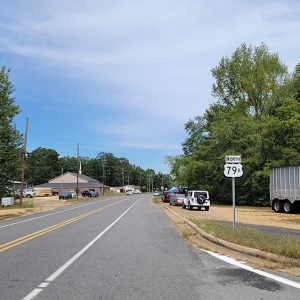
x=38 y=233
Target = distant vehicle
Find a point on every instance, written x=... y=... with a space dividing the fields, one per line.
x=285 y=189
x=95 y=192
x=136 y=191
x=89 y=193
x=196 y=199
x=74 y=195
x=166 y=197
x=129 y=192
x=156 y=193
x=177 y=199
x=42 y=192
x=28 y=193
x=65 y=195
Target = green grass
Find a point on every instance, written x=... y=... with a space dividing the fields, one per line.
x=26 y=203
x=245 y=236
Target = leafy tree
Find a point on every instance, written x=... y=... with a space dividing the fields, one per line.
x=10 y=138
x=42 y=165
x=256 y=116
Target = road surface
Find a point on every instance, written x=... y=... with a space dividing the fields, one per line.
x=120 y=248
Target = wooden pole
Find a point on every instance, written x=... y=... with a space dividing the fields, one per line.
x=23 y=164
x=77 y=184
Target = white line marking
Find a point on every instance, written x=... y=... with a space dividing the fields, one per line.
x=60 y=270
x=236 y=263
x=43 y=285
x=58 y=212
x=32 y=294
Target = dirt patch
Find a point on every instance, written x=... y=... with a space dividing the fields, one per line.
x=247 y=216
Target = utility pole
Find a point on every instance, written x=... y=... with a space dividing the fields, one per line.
x=78 y=166
x=23 y=163
x=62 y=172
x=140 y=183
x=123 y=179
x=152 y=185
x=103 y=175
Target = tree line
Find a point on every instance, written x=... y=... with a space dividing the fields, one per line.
x=44 y=164
x=256 y=115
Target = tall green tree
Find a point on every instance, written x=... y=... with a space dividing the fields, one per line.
x=42 y=165
x=10 y=138
x=256 y=115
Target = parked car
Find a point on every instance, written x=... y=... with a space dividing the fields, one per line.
x=65 y=195
x=177 y=199
x=95 y=192
x=166 y=197
x=74 y=195
x=197 y=199
x=89 y=193
x=156 y=193
x=129 y=192
x=136 y=191
x=28 y=193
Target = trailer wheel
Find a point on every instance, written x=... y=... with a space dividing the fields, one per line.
x=277 y=206
x=287 y=207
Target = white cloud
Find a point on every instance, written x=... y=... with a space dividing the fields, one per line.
x=155 y=55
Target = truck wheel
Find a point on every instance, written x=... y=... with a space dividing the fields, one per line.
x=28 y=196
x=206 y=208
x=190 y=207
x=277 y=206
x=183 y=206
x=287 y=207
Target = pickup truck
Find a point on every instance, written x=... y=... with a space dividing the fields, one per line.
x=196 y=199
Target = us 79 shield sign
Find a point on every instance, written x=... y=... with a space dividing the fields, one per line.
x=233 y=170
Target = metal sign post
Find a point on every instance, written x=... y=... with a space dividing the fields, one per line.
x=233 y=202
x=233 y=168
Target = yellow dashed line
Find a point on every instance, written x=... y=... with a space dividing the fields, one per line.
x=38 y=233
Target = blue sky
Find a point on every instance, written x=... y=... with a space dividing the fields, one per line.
x=125 y=76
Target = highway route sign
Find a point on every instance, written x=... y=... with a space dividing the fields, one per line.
x=233 y=170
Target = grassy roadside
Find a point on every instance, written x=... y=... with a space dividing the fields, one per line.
x=27 y=203
x=249 y=237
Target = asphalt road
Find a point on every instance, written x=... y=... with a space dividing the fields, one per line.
x=120 y=248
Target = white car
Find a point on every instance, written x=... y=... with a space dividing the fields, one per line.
x=197 y=199
x=156 y=194
x=28 y=193
x=129 y=192
x=74 y=195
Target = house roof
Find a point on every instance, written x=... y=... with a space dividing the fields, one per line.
x=72 y=185
x=84 y=177
x=81 y=176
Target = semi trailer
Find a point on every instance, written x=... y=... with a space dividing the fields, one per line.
x=285 y=189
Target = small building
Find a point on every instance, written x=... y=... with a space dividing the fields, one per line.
x=68 y=182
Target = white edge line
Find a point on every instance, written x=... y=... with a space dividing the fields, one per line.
x=58 y=212
x=236 y=263
x=60 y=270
